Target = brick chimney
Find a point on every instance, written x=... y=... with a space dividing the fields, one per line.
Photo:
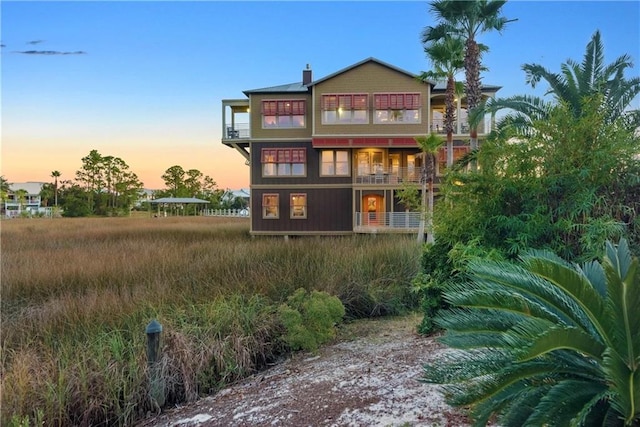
x=306 y=75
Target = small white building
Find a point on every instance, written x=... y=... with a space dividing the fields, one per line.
x=24 y=198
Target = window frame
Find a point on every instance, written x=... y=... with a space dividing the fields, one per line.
x=294 y=208
x=334 y=163
x=270 y=201
x=284 y=113
x=397 y=107
x=344 y=108
x=283 y=162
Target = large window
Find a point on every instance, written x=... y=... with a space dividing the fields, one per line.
x=270 y=206
x=334 y=163
x=283 y=113
x=284 y=162
x=298 y=206
x=396 y=108
x=344 y=108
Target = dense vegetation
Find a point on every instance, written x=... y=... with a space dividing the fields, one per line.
x=77 y=295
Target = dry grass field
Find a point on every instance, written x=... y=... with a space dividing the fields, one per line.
x=77 y=295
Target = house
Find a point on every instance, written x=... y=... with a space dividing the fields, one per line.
x=328 y=156
x=23 y=199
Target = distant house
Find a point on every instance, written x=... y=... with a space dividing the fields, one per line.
x=328 y=156
x=24 y=198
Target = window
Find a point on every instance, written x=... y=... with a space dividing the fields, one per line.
x=283 y=113
x=270 y=206
x=334 y=163
x=396 y=108
x=284 y=162
x=345 y=108
x=298 y=206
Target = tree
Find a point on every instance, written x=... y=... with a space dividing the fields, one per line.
x=447 y=57
x=544 y=341
x=55 y=175
x=576 y=81
x=467 y=19
x=4 y=191
x=429 y=145
x=174 y=181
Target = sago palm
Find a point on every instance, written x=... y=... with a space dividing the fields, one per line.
x=545 y=342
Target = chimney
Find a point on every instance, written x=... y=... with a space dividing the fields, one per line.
x=306 y=75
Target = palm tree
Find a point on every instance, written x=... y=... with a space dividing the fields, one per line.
x=55 y=175
x=545 y=342
x=576 y=81
x=447 y=58
x=4 y=191
x=429 y=145
x=467 y=19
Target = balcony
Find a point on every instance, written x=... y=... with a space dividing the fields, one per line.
x=386 y=222
x=237 y=131
x=393 y=176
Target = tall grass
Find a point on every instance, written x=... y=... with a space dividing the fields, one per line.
x=78 y=293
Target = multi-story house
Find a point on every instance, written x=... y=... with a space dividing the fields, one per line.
x=328 y=156
x=23 y=198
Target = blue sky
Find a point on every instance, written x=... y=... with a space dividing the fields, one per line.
x=144 y=80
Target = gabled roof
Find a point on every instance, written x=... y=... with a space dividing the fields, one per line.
x=30 y=187
x=441 y=86
x=364 y=61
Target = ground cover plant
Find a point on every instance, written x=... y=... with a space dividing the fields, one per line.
x=77 y=295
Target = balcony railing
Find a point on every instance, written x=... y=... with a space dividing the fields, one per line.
x=437 y=126
x=386 y=222
x=391 y=176
x=237 y=131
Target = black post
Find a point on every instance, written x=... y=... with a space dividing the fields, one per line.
x=156 y=392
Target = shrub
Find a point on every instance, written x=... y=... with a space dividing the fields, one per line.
x=310 y=319
x=544 y=342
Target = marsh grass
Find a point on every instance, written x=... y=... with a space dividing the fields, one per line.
x=77 y=295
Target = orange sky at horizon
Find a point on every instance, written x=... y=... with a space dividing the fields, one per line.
x=225 y=165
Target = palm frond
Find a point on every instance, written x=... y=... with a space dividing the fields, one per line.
x=565 y=338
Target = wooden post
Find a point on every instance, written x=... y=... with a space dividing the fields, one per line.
x=156 y=390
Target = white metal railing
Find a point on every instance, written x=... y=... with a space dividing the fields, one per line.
x=382 y=175
x=393 y=220
x=244 y=213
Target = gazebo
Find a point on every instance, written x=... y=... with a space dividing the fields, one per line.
x=178 y=202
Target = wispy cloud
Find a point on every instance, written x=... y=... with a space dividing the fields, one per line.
x=35 y=41
x=50 y=52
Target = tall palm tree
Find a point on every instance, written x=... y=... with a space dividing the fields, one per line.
x=429 y=145
x=447 y=58
x=545 y=342
x=576 y=81
x=467 y=19
x=55 y=175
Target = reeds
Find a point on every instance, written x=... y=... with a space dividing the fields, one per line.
x=78 y=293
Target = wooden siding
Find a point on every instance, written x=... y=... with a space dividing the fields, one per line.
x=329 y=210
x=285 y=133
x=313 y=167
x=371 y=78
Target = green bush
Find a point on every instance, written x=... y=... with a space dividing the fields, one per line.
x=310 y=319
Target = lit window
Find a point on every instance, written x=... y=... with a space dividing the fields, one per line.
x=270 y=206
x=396 y=108
x=334 y=163
x=298 y=206
x=283 y=113
x=284 y=162
x=345 y=109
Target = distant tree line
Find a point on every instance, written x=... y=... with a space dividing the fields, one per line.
x=106 y=186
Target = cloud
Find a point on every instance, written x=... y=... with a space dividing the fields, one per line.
x=50 y=52
x=35 y=41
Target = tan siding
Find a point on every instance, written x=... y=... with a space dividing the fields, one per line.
x=371 y=78
x=256 y=117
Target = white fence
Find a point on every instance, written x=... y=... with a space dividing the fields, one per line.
x=244 y=213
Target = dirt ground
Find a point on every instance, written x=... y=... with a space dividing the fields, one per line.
x=368 y=377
